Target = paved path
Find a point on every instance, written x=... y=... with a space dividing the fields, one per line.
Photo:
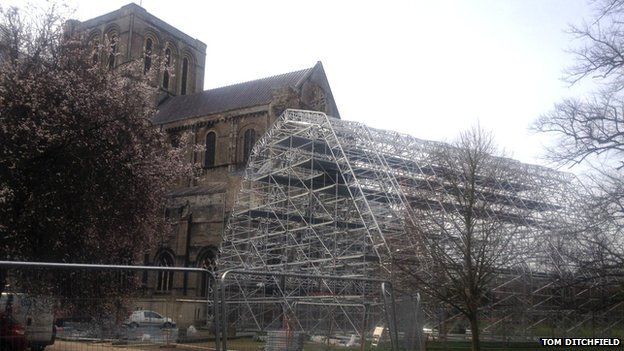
x=61 y=345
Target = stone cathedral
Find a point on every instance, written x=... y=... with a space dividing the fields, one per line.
x=227 y=121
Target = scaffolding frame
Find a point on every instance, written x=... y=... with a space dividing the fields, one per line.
x=324 y=196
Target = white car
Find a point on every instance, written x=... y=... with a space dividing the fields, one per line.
x=148 y=318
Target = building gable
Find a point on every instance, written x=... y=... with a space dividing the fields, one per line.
x=309 y=85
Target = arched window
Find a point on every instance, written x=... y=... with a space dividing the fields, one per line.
x=211 y=148
x=147 y=64
x=167 y=65
x=206 y=259
x=94 y=44
x=95 y=49
x=249 y=139
x=185 y=68
x=165 y=278
x=112 y=53
x=175 y=139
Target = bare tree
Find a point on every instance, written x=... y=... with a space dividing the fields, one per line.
x=586 y=128
x=590 y=131
x=598 y=247
x=472 y=232
x=592 y=126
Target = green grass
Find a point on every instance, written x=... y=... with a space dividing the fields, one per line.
x=502 y=346
x=249 y=345
x=245 y=344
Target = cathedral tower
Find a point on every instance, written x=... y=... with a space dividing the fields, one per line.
x=133 y=34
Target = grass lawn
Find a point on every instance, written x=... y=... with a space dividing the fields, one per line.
x=504 y=346
x=244 y=344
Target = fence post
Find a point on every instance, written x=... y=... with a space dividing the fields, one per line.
x=390 y=315
x=224 y=317
x=215 y=311
x=364 y=326
x=419 y=325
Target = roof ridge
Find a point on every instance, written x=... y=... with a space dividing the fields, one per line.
x=254 y=92
x=259 y=79
x=307 y=74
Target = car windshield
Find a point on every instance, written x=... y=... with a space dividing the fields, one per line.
x=151 y=314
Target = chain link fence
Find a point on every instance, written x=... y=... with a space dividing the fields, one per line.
x=290 y=311
x=102 y=307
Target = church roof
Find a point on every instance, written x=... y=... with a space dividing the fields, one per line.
x=227 y=98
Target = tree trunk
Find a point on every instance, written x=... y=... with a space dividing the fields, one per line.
x=474 y=328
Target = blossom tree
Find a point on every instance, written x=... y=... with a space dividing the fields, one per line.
x=83 y=172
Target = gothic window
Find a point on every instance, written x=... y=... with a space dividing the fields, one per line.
x=207 y=260
x=211 y=148
x=112 y=53
x=147 y=64
x=249 y=139
x=165 y=83
x=94 y=45
x=185 y=68
x=175 y=139
x=95 y=48
x=165 y=278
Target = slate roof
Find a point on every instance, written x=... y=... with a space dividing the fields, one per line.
x=231 y=97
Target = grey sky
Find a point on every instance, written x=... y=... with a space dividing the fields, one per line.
x=427 y=68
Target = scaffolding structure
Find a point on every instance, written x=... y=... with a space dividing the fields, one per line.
x=330 y=197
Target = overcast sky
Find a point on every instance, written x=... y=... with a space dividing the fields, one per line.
x=426 y=68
